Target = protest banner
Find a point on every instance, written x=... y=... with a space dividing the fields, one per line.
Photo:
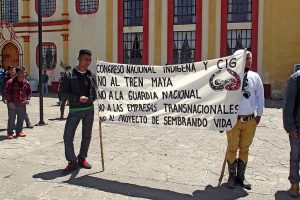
x=200 y=95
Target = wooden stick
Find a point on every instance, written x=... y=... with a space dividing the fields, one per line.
x=101 y=146
x=223 y=168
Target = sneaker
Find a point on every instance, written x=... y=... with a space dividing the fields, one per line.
x=84 y=164
x=10 y=136
x=72 y=166
x=21 y=134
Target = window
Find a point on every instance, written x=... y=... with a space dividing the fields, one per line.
x=10 y=11
x=239 y=11
x=87 y=6
x=238 y=39
x=239 y=27
x=48 y=7
x=49 y=55
x=184 y=47
x=184 y=12
x=133 y=48
x=133 y=12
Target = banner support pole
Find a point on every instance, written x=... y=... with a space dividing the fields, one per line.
x=223 y=168
x=101 y=146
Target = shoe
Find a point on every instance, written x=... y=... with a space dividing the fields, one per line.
x=21 y=134
x=28 y=123
x=84 y=164
x=10 y=136
x=294 y=190
x=232 y=169
x=241 y=180
x=72 y=166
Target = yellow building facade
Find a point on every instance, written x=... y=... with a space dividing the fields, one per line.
x=154 y=32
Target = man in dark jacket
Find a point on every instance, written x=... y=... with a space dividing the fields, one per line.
x=291 y=122
x=17 y=94
x=79 y=87
x=63 y=101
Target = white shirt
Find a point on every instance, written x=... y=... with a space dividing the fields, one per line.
x=255 y=103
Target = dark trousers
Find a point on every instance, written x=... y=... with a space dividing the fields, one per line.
x=20 y=113
x=294 y=160
x=63 y=104
x=87 y=117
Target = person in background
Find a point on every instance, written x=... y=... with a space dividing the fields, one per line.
x=63 y=100
x=291 y=123
x=27 y=120
x=61 y=78
x=2 y=75
x=79 y=87
x=10 y=73
x=17 y=94
x=45 y=79
x=241 y=136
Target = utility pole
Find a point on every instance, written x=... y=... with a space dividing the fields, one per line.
x=40 y=54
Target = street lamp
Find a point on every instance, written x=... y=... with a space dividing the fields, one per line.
x=40 y=54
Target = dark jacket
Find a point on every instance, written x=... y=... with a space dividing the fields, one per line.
x=5 y=79
x=291 y=104
x=75 y=85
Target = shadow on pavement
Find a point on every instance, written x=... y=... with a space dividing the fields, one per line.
x=3 y=137
x=51 y=175
x=133 y=190
x=283 y=195
x=57 y=119
x=222 y=192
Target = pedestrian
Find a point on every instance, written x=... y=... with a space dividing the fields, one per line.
x=63 y=100
x=45 y=79
x=2 y=75
x=27 y=120
x=17 y=94
x=10 y=73
x=241 y=136
x=79 y=87
x=291 y=122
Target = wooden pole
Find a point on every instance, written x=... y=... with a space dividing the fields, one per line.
x=101 y=146
x=223 y=168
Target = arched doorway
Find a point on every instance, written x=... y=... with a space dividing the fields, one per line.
x=10 y=55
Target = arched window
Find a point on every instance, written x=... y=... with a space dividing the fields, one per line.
x=48 y=7
x=87 y=6
x=49 y=55
x=10 y=11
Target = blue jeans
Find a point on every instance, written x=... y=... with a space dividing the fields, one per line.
x=87 y=117
x=45 y=88
x=20 y=113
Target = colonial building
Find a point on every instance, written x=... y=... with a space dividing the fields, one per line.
x=154 y=32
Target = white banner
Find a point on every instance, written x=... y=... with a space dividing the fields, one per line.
x=202 y=95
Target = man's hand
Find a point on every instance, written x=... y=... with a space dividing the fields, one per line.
x=293 y=134
x=257 y=119
x=4 y=101
x=27 y=102
x=11 y=106
x=83 y=99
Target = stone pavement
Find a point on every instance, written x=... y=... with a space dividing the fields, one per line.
x=141 y=163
